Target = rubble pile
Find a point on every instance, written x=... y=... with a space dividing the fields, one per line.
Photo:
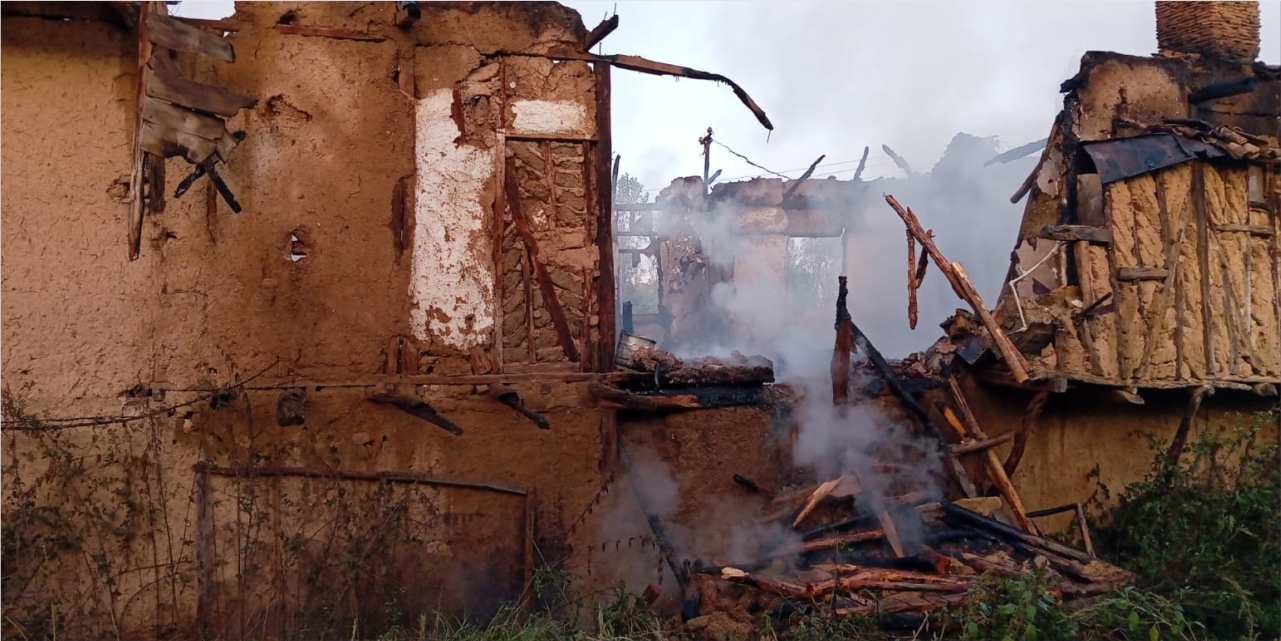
x=844 y=559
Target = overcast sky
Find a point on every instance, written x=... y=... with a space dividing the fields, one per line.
x=835 y=76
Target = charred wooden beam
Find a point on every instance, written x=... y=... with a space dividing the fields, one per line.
x=699 y=377
x=898 y=160
x=1078 y=515
x=896 y=385
x=545 y=286
x=961 y=515
x=416 y=407
x=817 y=545
x=636 y=63
x=1018 y=152
x=631 y=401
x=862 y=164
x=955 y=275
x=1185 y=424
x=1223 y=90
x=511 y=398
x=138 y=162
x=840 y=366
x=656 y=526
x=782 y=588
x=605 y=296
x=889 y=579
x=1069 y=233
x=1033 y=412
x=903 y=603
x=787 y=196
x=996 y=473
x=911 y=280
x=1253 y=230
x=600 y=32
x=753 y=486
x=1026 y=185
x=977 y=446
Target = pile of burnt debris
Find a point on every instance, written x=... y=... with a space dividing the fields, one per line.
x=880 y=542
x=894 y=555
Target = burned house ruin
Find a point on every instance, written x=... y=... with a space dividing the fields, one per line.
x=312 y=325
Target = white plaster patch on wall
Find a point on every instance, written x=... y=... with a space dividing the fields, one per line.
x=451 y=279
x=549 y=117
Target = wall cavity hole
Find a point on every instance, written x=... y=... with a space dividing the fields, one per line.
x=287 y=18
x=298 y=248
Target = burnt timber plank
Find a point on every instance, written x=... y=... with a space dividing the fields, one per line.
x=180 y=36
x=166 y=85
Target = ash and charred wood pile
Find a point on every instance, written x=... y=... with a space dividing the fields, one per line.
x=902 y=557
x=879 y=540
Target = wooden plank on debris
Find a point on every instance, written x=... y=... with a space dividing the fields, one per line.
x=180 y=36
x=171 y=87
x=179 y=119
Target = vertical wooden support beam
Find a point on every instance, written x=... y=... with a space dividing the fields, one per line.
x=1033 y=412
x=605 y=213
x=1185 y=425
x=1203 y=263
x=591 y=349
x=1118 y=323
x=499 y=232
x=203 y=555
x=137 y=175
x=531 y=515
x=1081 y=256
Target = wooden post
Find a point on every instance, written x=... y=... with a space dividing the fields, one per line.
x=605 y=226
x=883 y=368
x=1203 y=261
x=1185 y=425
x=500 y=231
x=963 y=288
x=137 y=174
x=1034 y=408
x=204 y=582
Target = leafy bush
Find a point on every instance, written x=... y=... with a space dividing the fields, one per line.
x=1206 y=531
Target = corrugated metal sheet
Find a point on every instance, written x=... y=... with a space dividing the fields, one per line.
x=1128 y=157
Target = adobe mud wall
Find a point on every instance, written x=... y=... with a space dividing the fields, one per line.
x=1085 y=438
x=366 y=259
x=1206 y=313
